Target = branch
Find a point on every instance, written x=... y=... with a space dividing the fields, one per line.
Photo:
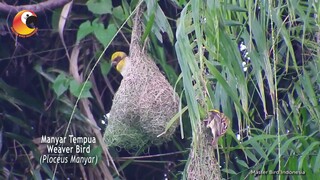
x=37 y=8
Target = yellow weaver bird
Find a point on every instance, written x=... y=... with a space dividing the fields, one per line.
x=145 y=101
x=120 y=61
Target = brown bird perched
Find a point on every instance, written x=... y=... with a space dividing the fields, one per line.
x=218 y=123
x=202 y=158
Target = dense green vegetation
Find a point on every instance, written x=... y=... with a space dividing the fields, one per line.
x=59 y=81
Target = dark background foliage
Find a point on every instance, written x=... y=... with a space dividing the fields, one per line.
x=200 y=47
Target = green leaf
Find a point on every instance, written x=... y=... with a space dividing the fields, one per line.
x=110 y=32
x=75 y=89
x=84 y=29
x=242 y=163
x=38 y=68
x=312 y=147
x=105 y=67
x=36 y=174
x=149 y=27
x=233 y=23
x=16 y=97
x=134 y=3
x=178 y=3
x=55 y=19
x=292 y=163
x=229 y=171
x=173 y=119
x=308 y=174
x=259 y=149
x=18 y=121
x=158 y=21
x=100 y=6
x=60 y=84
x=235 y=8
x=103 y=35
x=95 y=152
x=119 y=13
x=316 y=167
x=251 y=156
x=21 y=139
x=308 y=89
x=225 y=85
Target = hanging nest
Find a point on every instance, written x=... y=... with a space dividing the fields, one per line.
x=144 y=103
x=202 y=162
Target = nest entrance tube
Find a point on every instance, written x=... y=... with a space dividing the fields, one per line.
x=202 y=163
x=144 y=103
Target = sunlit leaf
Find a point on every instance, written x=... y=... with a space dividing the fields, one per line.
x=80 y=89
x=103 y=35
x=100 y=6
x=84 y=29
x=60 y=84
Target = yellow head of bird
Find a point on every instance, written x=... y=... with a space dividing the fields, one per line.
x=118 y=60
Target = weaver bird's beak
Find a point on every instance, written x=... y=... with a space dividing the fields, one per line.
x=114 y=63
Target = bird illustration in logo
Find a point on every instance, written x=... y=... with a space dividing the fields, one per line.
x=24 y=23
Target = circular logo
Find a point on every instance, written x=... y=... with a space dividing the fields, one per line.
x=25 y=23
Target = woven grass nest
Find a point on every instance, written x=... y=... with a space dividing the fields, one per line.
x=144 y=103
x=202 y=162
